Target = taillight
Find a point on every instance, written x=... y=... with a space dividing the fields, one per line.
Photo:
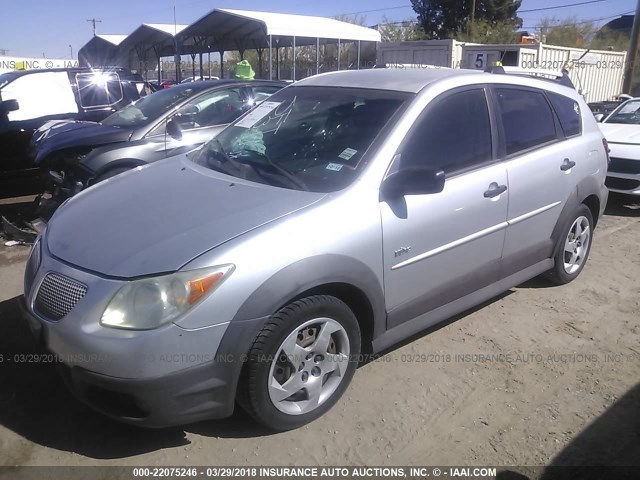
x=606 y=149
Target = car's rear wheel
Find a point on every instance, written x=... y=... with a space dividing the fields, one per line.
x=573 y=247
x=301 y=362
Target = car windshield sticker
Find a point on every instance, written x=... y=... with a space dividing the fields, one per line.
x=336 y=167
x=257 y=114
x=347 y=153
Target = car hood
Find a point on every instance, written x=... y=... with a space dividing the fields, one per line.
x=61 y=135
x=620 y=133
x=157 y=218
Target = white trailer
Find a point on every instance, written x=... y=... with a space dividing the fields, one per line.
x=598 y=75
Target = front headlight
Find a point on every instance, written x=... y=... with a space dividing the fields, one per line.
x=151 y=302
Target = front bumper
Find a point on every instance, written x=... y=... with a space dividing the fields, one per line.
x=623 y=173
x=156 y=378
x=202 y=392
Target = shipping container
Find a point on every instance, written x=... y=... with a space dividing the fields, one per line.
x=597 y=75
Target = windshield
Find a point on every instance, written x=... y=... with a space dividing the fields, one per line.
x=149 y=108
x=628 y=112
x=306 y=138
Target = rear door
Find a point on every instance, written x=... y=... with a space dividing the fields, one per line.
x=541 y=169
x=443 y=246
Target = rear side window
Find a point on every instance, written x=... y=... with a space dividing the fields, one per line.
x=527 y=119
x=454 y=134
x=568 y=112
x=99 y=89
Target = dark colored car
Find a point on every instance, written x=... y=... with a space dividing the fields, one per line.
x=29 y=99
x=166 y=123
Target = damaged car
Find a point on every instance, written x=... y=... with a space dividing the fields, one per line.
x=31 y=98
x=169 y=122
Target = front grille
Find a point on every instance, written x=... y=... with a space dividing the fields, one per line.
x=621 y=183
x=58 y=295
x=624 y=165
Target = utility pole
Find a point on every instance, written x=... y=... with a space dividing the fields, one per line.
x=632 y=53
x=473 y=10
x=71 y=48
x=93 y=21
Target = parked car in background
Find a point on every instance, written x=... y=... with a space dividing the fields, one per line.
x=28 y=99
x=622 y=130
x=347 y=213
x=602 y=109
x=198 y=79
x=166 y=123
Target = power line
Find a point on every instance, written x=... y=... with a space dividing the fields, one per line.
x=560 y=6
x=589 y=21
x=378 y=10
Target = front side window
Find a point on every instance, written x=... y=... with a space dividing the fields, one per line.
x=306 y=138
x=99 y=89
x=454 y=134
x=628 y=112
x=568 y=111
x=214 y=108
x=527 y=119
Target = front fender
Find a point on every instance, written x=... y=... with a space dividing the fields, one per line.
x=308 y=274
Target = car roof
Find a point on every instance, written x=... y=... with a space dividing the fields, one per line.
x=404 y=79
x=414 y=78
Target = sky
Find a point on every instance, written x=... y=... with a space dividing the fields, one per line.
x=31 y=28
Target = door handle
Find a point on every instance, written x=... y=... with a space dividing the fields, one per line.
x=495 y=190
x=567 y=165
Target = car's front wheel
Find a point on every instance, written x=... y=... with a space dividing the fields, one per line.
x=301 y=362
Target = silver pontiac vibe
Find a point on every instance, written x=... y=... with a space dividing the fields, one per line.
x=344 y=214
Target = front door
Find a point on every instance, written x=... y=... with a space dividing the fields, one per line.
x=440 y=247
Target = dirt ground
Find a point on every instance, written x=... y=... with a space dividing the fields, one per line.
x=539 y=376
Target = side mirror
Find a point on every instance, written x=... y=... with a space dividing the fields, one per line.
x=412 y=181
x=599 y=117
x=9 y=106
x=173 y=129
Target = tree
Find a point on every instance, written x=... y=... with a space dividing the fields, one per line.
x=482 y=31
x=404 y=31
x=607 y=39
x=567 y=32
x=444 y=18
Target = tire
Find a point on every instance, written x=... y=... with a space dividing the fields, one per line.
x=300 y=363
x=571 y=253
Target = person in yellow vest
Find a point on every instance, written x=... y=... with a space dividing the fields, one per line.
x=243 y=71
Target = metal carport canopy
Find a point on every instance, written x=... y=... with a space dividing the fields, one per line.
x=153 y=35
x=242 y=29
x=101 y=50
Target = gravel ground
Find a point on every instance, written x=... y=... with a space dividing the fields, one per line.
x=539 y=376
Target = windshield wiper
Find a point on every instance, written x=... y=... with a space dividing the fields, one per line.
x=283 y=171
x=220 y=152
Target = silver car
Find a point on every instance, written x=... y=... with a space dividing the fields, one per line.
x=343 y=215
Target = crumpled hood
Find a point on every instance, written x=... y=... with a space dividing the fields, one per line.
x=157 y=218
x=64 y=134
x=620 y=133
